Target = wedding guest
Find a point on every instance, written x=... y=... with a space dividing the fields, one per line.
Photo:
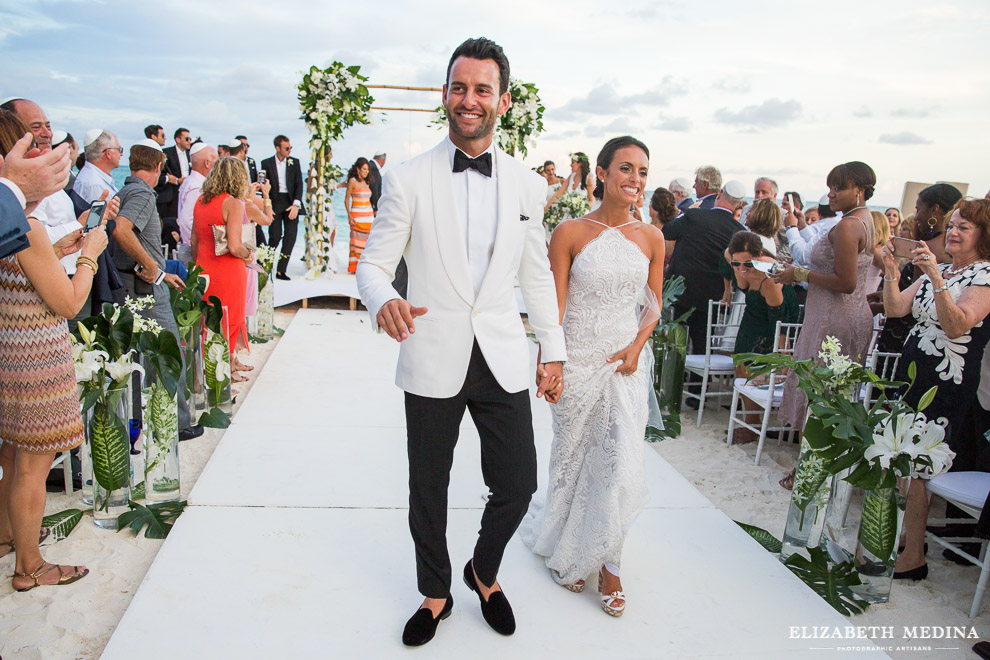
x=137 y=242
x=102 y=157
x=707 y=184
x=357 y=203
x=663 y=207
x=894 y=218
x=202 y=158
x=176 y=170
x=597 y=483
x=697 y=240
x=836 y=304
x=767 y=302
x=881 y=230
x=810 y=215
x=155 y=132
x=579 y=180
x=951 y=302
x=681 y=188
x=252 y=167
x=907 y=227
x=801 y=235
x=285 y=175
x=377 y=165
x=222 y=204
x=59 y=138
x=550 y=174
x=37 y=378
x=930 y=211
x=737 y=215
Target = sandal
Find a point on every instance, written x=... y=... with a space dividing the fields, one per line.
x=238 y=378
x=575 y=587
x=613 y=603
x=45 y=533
x=787 y=482
x=240 y=366
x=42 y=570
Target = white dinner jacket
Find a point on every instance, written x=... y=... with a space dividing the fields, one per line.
x=417 y=220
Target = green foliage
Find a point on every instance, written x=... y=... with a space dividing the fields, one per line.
x=137 y=492
x=214 y=418
x=878 y=525
x=158 y=517
x=833 y=582
x=111 y=448
x=254 y=339
x=669 y=345
x=114 y=329
x=770 y=542
x=163 y=359
x=212 y=311
x=62 y=523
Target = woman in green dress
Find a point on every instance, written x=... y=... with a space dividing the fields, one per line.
x=766 y=303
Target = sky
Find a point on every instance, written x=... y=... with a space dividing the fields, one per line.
x=786 y=90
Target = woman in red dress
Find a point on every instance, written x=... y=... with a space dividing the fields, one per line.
x=222 y=204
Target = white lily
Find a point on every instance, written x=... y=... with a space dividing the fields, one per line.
x=88 y=335
x=121 y=369
x=891 y=439
x=931 y=442
x=222 y=370
x=216 y=352
x=89 y=364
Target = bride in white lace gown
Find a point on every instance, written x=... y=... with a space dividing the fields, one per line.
x=602 y=263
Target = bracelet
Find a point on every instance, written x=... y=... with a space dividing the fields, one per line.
x=801 y=274
x=88 y=263
x=268 y=203
x=944 y=287
x=889 y=279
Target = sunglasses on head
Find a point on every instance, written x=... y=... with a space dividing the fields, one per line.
x=737 y=264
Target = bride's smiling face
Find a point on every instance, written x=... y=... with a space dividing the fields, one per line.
x=625 y=178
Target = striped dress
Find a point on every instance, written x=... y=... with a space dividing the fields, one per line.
x=362 y=215
x=39 y=405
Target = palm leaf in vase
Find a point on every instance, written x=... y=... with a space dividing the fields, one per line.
x=110 y=447
x=878 y=525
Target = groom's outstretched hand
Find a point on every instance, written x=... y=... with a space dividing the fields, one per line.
x=550 y=381
x=396 y=318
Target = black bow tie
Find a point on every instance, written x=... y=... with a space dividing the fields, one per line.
x=482 y=163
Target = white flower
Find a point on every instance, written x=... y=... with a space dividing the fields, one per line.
x=88 y=335
x=121 y=369
x=89 y=364
x=216 y=352
x=931 y=442
x=890 y=439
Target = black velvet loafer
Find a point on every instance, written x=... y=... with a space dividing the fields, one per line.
x=422 y=626
x=919 y=573
x=496 y=610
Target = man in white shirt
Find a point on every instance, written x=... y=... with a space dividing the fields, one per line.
x=176 y=170
x=284 y=173
x=102 y=157
x=801 y=237
x=203 y=157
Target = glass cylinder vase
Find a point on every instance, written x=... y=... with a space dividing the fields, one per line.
x=191 y=343
x=876 y=546
x=107 y=425
x=808 y=506
x=216 y=356
x=161 y=442
x=266 y=311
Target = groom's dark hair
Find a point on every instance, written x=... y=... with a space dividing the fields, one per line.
x=484 y=49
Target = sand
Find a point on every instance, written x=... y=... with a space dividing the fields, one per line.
x=77 y=621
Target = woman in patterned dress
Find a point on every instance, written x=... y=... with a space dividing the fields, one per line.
x=951 y=302
x=357 y=201
x=39 y=406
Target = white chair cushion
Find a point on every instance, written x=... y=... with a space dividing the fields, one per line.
x=718 y=362
x=760 y=394
x=966 y=488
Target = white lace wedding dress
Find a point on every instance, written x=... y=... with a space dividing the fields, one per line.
x=597 y=485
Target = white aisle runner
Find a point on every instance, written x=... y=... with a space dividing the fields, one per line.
x=296 y=544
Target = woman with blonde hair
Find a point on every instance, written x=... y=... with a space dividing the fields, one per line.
x=222 y=205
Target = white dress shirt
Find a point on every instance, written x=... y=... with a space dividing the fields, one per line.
x=183 y=163
x=799 y=243
x=58 y=215
x=189 y=193
x=91 y=183
x=283 y=187
x=476 y=201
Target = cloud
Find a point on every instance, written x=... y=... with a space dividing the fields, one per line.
x=678 y=124
x=619 y=125
x=913 y=113
x=863 y=112
x=732 y=86
x=903 y=138
x=772 y=112
x=605 y=100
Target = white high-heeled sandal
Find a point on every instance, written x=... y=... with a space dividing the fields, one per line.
x=608 y=600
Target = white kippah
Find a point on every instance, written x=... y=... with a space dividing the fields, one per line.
x=196 y=148
x=148 y=142
x=58 y=137
x=684 y=182
x=769 y=245
x=91 y=135
x=735 y=189
x=234 y=144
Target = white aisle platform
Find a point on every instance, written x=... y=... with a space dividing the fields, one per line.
x=296 y=544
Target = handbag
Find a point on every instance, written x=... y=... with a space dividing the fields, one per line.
x=220 y=238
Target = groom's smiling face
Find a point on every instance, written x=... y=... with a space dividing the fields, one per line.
x=471 y=98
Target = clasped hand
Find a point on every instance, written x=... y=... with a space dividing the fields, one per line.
x=550 y=381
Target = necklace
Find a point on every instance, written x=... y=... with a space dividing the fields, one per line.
x=953 y=270
x=851 y=211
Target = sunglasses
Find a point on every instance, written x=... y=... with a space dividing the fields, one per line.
x=738 y=264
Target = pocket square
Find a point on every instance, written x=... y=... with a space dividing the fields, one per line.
x=523 y=218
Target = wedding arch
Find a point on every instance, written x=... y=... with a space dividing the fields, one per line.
x=335 y=98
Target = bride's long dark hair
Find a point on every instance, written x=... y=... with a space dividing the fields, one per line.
x=606 y=155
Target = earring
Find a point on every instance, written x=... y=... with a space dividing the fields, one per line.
x=857 y=199
x=932 y=222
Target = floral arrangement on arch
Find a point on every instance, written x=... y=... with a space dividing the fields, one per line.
x=521 y=123
x=331 y=100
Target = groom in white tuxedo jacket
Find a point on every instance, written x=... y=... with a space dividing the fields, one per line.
x=467 y=217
